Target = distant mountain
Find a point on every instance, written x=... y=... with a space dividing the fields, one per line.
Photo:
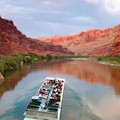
x=13 y=41
x=91 y=43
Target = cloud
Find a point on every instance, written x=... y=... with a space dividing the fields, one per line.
x=63 y=16
x=111 y=6
x=10 y=9
x=51 y=3
x=56 y=28
x=47 y=2
x=94 y=1
x=82 y=19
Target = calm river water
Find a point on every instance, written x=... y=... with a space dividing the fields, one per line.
x=92 y=90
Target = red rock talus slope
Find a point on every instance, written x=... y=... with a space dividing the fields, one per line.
x=92 y=42
x=13 y=41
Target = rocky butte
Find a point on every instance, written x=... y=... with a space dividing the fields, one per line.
x=91 y=43
x=13 y=41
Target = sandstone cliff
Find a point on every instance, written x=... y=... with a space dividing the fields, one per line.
x=116 y=49
x=13 y=41
x=92 y=43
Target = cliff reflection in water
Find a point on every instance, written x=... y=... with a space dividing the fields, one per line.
x=12 y=80
x=91 y=72
x=86 y=70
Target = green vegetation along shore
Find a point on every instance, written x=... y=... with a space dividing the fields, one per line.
x=15 y=61
x=110 y=60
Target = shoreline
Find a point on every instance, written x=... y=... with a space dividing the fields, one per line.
x=100 y=62
x=1 y=79
x=107 y=63
x=112 y=61
x=79 y=58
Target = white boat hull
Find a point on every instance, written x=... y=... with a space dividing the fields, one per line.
x=45 y=114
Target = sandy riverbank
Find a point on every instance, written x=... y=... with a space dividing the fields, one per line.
x=107 y=63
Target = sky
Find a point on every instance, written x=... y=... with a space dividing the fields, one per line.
x=39 y=18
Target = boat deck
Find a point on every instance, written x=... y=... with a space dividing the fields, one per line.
x=46 y=104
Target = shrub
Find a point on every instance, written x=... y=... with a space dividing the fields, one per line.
x=49 y=57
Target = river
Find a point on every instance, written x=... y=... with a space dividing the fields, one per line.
x=92 y=90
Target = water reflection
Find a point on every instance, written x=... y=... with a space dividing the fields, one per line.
x=91 y=72
x=12 y=79
x=91 y=92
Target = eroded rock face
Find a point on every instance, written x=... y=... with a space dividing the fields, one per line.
x=13 y=41
x=116 y=49
x=92 y=43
